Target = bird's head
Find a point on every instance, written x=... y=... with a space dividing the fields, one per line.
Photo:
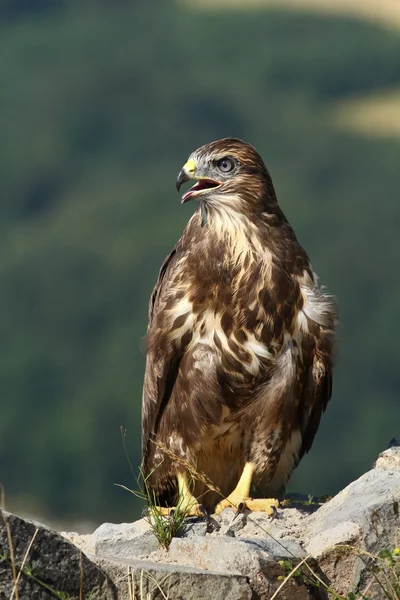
x=228 y=173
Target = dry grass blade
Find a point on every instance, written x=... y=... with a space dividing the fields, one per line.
x=131 y=585
x=323 y=584
x=197 y=475
x=289 y=576
x=14 y=590
x=141 y=584
x=365 y=590
x=80 y=576
x=165 y=526
x=392 y=595
x=10 y=542
x=156 y=584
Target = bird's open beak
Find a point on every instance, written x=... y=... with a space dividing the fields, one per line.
x=203 y=183
x=183 y=177
x=188 y=172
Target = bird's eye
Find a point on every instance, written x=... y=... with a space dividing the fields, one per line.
x=225 y=165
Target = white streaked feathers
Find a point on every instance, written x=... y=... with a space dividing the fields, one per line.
x=318 y=305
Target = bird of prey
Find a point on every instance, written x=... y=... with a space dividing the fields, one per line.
x=240 y=344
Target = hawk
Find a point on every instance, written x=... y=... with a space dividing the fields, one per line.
x=240 y=344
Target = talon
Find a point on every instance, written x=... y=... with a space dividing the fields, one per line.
x=240 y=499
x=268 y=505
x=194 y=510
x=240 y=508
x=238 y=505
x=275 y=513
x=204 y=512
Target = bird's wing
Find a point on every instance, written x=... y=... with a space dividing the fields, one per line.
x=318 y=351
x=163 y=354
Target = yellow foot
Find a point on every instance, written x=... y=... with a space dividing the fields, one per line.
x=194 y=510
x=188 y=505
x=239 y=499
x=268 y=505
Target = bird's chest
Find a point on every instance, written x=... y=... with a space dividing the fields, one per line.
x=218 y=277
x=231 y=306
x=238 y=352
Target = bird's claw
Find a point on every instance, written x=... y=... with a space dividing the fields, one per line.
x=204 y=512
x=240 y=508
x=274 y=514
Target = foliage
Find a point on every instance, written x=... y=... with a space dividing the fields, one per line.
x=165 y=524
x=100 y=105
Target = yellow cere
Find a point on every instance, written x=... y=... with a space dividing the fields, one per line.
x=190 y=167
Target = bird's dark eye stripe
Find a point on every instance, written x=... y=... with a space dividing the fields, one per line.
x=225 y=164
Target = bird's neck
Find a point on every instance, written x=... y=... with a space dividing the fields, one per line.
x=234 y=230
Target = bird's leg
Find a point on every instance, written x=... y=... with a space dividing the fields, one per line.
x=187 y=503
x=240 y=499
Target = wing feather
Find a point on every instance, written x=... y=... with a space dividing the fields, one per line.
x=162 y=358
x=318 y=388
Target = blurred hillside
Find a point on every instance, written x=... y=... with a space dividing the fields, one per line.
x=99 y=107
x=386 y=12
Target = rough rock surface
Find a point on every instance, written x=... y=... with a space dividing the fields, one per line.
x=157 y=581
x=50 y=564
x=230 y=557
x=365 y=515
x=255 y=557
x=124 y=540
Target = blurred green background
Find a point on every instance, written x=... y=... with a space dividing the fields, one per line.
x=100 y=105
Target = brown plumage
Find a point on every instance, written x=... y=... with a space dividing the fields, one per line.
x=240 y=337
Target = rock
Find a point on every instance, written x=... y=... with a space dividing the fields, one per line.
x=390 y=458
x=83 y=542
x=254 y=558
x=51 y=563
x=343 y=533
x=176 y=582
x=363 y=517
x=126 y=540
x=195 y=526
x=371 y=502
x=289 y=523
x=231 y=523
x=227 y=557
